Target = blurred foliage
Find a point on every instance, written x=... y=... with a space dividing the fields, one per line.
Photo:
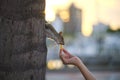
x=113 y=31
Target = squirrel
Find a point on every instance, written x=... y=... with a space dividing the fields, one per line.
x=53 y=34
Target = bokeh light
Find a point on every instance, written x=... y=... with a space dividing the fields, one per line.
x=106 y=11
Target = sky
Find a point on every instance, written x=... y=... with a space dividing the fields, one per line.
x=93 y=11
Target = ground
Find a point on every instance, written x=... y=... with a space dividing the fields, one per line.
x=100 y=75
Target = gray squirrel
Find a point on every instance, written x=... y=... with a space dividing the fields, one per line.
x=53 y=34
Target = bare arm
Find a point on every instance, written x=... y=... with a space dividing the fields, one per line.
x=84 y=70
x=67 y=58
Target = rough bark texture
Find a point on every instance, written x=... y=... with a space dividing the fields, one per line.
x=22 y=40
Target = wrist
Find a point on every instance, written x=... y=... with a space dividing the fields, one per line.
x=77 y=62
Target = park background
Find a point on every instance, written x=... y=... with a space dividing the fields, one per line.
x=91 y=30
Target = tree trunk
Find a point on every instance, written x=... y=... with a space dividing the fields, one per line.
x=22 y=40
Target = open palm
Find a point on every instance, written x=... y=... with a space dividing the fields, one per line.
x=67 y=58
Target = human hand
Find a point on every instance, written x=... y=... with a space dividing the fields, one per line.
x=67 y=58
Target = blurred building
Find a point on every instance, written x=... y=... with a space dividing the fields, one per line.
x=75 y=20
x=91 y=18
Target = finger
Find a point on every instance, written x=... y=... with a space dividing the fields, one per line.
x=61 y=58
x=60 y=53
x=66 y=52
x=64 y=58
x=63 y=55
x=65 y=61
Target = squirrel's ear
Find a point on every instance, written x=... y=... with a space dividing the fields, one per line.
x=60 y=33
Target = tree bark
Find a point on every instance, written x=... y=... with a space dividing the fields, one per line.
x=22 y=40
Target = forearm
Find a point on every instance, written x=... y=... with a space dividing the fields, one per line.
x=85 y=72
